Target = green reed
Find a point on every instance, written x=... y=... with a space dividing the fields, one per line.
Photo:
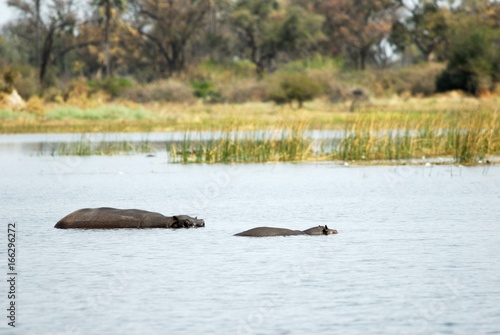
x=230 y=147
x=465 y=137
x=102 y=148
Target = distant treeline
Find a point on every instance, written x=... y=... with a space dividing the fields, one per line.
x=148 y=40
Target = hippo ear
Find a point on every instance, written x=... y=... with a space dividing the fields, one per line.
x=176 y=222
x=326 y=227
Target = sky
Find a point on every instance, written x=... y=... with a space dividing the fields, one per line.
x=6 y=13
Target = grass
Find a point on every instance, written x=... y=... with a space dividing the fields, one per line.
x=100 y=113
x=464 y=137
x=101 y=148
x=130 y=117
x=230 y=147
x=88 y=147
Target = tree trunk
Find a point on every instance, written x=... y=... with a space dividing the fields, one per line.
x=259 y=69
x=45 y=55
x=37 y=34
x=362 y=59
x=106 y=40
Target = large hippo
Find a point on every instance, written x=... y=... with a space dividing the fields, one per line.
x=111 y=218
x=270 y=231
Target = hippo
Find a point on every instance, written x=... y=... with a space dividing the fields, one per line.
x=111 y=218
x=270 y=231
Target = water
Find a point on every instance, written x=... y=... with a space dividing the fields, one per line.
x=416 y=253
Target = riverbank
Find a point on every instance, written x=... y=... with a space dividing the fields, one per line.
x=451 y=129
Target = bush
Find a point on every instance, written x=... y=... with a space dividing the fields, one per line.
x=77 y=89
x=249 y=90
x=21 y=77
x=53 y=94
x=35 y=106
x=163 y=90
x=298 y=87
x=418 y=79
x=111 y=85
x=474 y=62
x=206 y=90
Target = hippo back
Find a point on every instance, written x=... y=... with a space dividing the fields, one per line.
x=269 y=231
x=110 y=218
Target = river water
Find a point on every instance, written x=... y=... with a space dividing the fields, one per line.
x=416 y=253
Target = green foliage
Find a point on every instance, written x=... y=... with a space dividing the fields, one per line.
x=114 y=86
x=267 y=29
x=474 y=61
x=426 y=27
x=206 y=90
x=10 y=51
x=301 y=30
x=298 y=87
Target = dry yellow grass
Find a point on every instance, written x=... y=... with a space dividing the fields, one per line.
x=131 y=117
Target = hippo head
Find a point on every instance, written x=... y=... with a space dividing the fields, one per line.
x=320 y=230
x=185 y=221
x=327 y=231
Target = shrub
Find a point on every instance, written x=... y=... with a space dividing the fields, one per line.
x=298 y=87
x=77 y=89
x=206 y=90
x=21 y=77
x=419 y=79
x=474 y=62
x=9 y=77
x=35 y=106
x=422 y=80
x=111 y=85
x=163 y=90
x=53 y=94
x=249 y=90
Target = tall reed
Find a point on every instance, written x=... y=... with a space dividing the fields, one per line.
x=465 y=137
x=241 y=147
x=102 y=148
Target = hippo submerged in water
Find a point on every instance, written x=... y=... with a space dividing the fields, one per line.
x=270 y=231
x=111 y=218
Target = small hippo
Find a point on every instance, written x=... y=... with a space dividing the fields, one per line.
x=271 y=231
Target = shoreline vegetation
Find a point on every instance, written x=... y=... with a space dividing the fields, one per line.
x=385 y=131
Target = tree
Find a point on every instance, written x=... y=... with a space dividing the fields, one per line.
x=354 y=27
x=424 y=24
x=87 y=54
x=168 y=27
x=265 y=29
x=474 y=64
x=108 y=6
x=47 y=30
